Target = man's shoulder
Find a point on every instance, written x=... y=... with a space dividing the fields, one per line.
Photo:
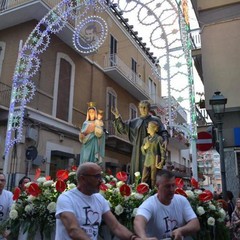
x=178 y=197
x=150 y=200
x=7 y=193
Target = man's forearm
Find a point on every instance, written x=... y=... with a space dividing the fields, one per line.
x=190 y=228
x=122 y=232
x=139 y=227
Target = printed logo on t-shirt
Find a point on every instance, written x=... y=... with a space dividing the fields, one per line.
x=92 y=222
x=1 y=212
x=170 y=225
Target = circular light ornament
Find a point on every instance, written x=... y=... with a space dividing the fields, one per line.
x=90 y=34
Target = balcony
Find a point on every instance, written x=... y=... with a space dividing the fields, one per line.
x=14 y=12
x=119 y=72
x=19 y=11
x=180 y=170
x=196 y=50
x=5 y=96
x=114 y=140
x=179 y=140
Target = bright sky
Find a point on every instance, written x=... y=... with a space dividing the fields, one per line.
x=145 y=33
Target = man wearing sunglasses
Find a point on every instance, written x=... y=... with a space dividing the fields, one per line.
x=81 y=210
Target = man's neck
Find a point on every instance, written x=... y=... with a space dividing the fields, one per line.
x=80 y=189
x=163 y=201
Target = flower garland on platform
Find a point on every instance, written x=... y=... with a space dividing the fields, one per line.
x=123 y=198
x=34 y=209
x=211 y=215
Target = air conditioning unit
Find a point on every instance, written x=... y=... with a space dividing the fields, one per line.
x=32 y=134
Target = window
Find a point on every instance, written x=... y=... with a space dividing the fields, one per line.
x=152 y=89
x=63 y=88
x=237 y=162
x=111 y=103
x=134 y=69
x=2 y=53
x=132 y=111
x=113 y=50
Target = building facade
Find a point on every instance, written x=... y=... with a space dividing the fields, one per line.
x=118 y=74
x=217 y=62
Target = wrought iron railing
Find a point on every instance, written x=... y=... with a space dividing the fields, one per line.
x=114 y=61
x=8 y=4
x=196 y=38
x=5 y=95
x=111 y=130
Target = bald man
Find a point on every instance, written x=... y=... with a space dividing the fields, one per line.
x=80 y=211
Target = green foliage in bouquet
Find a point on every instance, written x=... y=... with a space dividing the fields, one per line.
x=211 y=215
x=34 y=209
x=123 y=198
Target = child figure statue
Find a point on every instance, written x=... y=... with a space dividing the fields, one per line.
x=154 y=152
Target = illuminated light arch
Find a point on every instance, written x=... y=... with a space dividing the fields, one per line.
x=28 y=62
x=171 y=43
x=168 y=25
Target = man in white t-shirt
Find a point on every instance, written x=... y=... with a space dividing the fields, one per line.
x=165 y=214
x=81 y=210
x=6 y=201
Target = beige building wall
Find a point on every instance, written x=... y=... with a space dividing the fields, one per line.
x=221 y=60
x=90 y=84
x=207 y=4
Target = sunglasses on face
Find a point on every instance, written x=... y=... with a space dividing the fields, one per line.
x=97 y=176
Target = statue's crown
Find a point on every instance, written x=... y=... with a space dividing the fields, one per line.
x=91 y=104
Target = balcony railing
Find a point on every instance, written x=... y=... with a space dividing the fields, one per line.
x=111 y=130
x=8 y=4
x=182 y=170
x=158 y=100
x=196 y=38
x=113 y=61
x=5 y=95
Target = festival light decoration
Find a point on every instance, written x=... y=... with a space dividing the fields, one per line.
x=28 y=62
x=166 y=22
x=161 y=17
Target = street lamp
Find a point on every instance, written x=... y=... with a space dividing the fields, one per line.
x=218 y=102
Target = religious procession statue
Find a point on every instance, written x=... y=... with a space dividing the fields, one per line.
x=136 y=129
x=92 y=136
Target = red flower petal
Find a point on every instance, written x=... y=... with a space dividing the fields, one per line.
x=179 y=182
x=113 y=183
x=74 y=168
x=122 y=176
x=194 y=183
x=16 y=193
x=142 y=188
x=103 y=187
x=60 y=186
x=205 y=196
x=181 y=192
x=48 y=178
x=37 y=174
x=62 y=175
x=109 y=171
x=34 y=189
x=125 y=190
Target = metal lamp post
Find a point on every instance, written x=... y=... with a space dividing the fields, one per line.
x=218 y=102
